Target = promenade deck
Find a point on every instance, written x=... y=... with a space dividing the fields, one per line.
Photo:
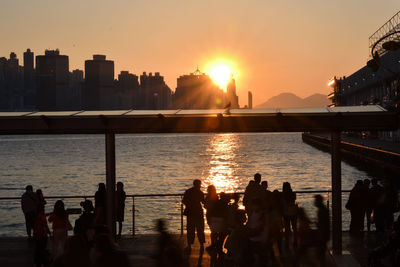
x=18 y=252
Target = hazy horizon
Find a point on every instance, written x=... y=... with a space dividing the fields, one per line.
x=274 y=47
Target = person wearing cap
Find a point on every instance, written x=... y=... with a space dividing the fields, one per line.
x=85 y=223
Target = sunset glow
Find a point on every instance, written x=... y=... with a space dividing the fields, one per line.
x=221 y=75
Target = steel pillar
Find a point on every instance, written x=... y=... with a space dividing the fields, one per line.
x=336 y=194
x=110 y=181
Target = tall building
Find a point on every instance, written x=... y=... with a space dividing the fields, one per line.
x=154 y=93
x=128 y=90
x=198 y=91
x=29 y=80
x=250 y=100
x=99 y=83
x=11 y=83
x=52 y=81
x=231 y=93
x=76 y=89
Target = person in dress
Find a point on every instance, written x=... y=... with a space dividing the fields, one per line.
x=60 y=226
x=40 y=233
x=210 y=200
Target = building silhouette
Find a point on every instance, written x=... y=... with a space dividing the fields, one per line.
x=76 y=84
x=250 y=100
x=52 y=81
x=231 y=96
x=198 y=91
x=99 y=83
x=154 y=93
x=128 y=90
x=29 y=80
x=11 y=83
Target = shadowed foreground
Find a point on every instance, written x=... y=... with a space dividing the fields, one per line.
x=17 y=251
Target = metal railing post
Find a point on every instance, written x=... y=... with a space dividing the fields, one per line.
x=133 y=215
x=181 y=217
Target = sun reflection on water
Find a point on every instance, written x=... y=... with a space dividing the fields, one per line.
x=222 y=149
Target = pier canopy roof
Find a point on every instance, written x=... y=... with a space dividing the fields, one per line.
x=371 y=117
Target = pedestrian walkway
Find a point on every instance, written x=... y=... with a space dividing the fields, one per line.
x=18 y=252
x=373 y=143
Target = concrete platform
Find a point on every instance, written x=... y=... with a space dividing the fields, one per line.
x=17 y=251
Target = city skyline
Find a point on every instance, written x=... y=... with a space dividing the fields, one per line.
x=275 y=46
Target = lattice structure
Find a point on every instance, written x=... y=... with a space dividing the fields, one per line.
x=391 y=26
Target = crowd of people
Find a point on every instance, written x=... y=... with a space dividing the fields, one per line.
x=239 y=236
x=245 y=237
x=91 y=243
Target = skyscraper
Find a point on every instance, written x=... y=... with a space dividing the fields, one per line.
x=128 y=90
x=29 y=80
x=52 y=76
x=155 y=94
x=231 y=93
x=198 y=91
x=99 y=83
x=250 y=100
x=76 y=84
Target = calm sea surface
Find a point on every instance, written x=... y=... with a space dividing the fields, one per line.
x=157 y=164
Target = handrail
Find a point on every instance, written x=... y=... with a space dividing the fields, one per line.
x=169 y=195
x=133 y=196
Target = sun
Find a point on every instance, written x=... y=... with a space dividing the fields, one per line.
x=221 y=74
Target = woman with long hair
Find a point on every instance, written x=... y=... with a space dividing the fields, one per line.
x=61 y=225
x=209 y=203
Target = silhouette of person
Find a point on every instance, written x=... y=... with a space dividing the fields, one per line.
x=193 y=199
x=169 y=253
x=368 y=202
x=120 y=206
x=40 y=233
x=107 y=253
x=356 y=206
x=100 y=204
x=210 y=201
x=289 y=212
x=60 y=226
x=376 y=193
x=323 y=226
x=41 y=201
x=84 y=225
x=29 y=205
x=267 y=194
x=76 y=253
x=253 y=191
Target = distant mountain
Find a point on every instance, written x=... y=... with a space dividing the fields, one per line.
x=289 y=100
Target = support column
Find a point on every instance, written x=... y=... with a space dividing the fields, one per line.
x=110 y=181
x=336 y=194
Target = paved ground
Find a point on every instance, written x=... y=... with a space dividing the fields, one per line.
x=17 y=251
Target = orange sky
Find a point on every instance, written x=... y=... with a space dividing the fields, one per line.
x=277 y=46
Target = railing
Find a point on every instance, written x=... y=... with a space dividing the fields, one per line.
x=135 y=197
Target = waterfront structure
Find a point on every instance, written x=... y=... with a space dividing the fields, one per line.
x=154 y=92
x=52 y=81
x=333 y=120
x=99 y=83
x=198 y=91
x=378 y=82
